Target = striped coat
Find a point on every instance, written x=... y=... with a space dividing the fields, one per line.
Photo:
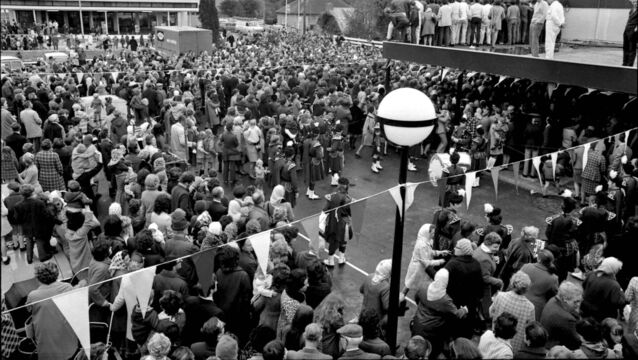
x=50 y=170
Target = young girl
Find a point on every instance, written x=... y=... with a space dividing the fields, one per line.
x=201 y=154
x=97 y=105
x=260 y=174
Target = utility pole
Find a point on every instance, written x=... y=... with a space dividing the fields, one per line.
x=298 y=14
x=286 y=15
x=81 y=18
x=305 y=15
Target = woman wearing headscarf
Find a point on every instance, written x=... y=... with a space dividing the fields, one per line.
x=277 y=202
x=376 y=291
x=602 y=295
x=422 y=258
x=436 y=313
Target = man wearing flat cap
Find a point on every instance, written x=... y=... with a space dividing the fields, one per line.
x=351 y=337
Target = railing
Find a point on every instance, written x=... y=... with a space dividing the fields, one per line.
x=356 y=41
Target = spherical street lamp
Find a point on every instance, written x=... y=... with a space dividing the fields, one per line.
x=407 y=116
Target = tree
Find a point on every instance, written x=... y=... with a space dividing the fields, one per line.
x=231 y=8
x=251 y=8
x=209 y=18
x=368 y=20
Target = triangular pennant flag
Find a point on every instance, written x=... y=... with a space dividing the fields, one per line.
x=585 y=154
x=79 y=75
x=494 y=172
x=590 y=90
x=410 y=188
x=395 y=192
x=471 y=74
x=627 y=140
x=469 y=182
x=444 y=73
x=115 y=74
x=261 y=245
x=311 y=227
x=204 y=265
x=74 y=306
x=142 y=282
x=501 y=79
x=358 y=210
x=516 y=170
x=537 y=165
x=62 y=75
x=130 y=297
x=554 y=157
x=550 y=88
x=515 y=81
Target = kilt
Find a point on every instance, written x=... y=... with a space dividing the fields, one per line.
x=316 y=170
x=335 y=163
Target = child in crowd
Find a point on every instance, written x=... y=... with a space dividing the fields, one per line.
x=97 y=105
x=75 y=199
x=260 y=174
x=201 y=153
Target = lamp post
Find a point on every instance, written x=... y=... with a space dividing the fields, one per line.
x=407 y=116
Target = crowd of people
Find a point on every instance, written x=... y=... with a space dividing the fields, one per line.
x=274 y=116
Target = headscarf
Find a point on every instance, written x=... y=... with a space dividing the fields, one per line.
x=424 y=234
x=277 y=194
x=438 y=288
x=382 y=272
x=234 y=210
x=610 y=266
x=117 y=263
x=115 y=209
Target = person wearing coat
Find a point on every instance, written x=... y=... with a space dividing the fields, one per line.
x=75 y=232
x=436 y=314
x=212 y=111
x=484 y=254
x=422 y=258
x=544 y=284
x=428 y=28
x=54 y=337
x=519 y=253
x=376 y=291
x=50 y=171
x=32 y=124
x=602 y=295
x=560 y=315
x=466 y=284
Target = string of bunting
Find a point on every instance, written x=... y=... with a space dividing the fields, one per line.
x=310 y=226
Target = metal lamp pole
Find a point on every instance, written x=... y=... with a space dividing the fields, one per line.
x=397 y=250
x=81 y=17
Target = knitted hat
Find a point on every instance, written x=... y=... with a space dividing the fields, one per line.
x=463 y=247
x=178 y=220
x=215 y=228
x=226 y=348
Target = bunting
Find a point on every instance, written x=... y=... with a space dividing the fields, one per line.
x=130 y=298
x=115 y=74
x=205 y=265
x=550 y=88
x=395 y=192
x=74 y=306
x=141 y=286
x=444 y=73
x=261 y=245
x=79 y=75
x=554 y=157
x=537 y=165
x=62 y=75
x=469 y=181
x=494 y=172
x=585 y=154
x=471 y=74
x=590 y=90
x=501 y=79
x=626 y=140
x=311 y=228
x=357 y=210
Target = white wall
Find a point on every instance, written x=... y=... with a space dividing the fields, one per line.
x=600 y=25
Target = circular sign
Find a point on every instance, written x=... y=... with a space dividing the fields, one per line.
x=160 y=35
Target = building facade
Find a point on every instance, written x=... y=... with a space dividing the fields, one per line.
x=103 y=17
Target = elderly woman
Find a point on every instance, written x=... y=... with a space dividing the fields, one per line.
x=561 y=314
x=277 y=201
x=50 y=171
x=376 y=291
x=54 y=337
x=158 y=347
x=75 y=232
x=436 y=313
x=515 y=303
x=151 y=192
x=422 y=258
x=602 y=295
x=30 y=173
x=544 y=282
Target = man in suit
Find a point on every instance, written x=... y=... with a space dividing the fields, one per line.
x=16 y=140
x=561 y=314
x=352 y=334
x=312 y=339
x=484 y=254
x=217 y=209
x=630 y=36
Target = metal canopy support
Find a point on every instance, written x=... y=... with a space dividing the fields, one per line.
x=601 y=77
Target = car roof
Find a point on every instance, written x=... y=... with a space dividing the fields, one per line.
x=8 y=57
